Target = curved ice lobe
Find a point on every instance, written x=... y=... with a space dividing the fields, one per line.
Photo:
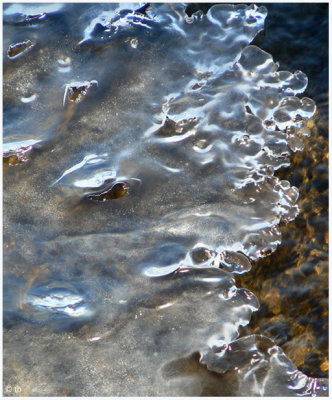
x=292 y=111
x=274 y=201
x=261 y=68
x=260 y=368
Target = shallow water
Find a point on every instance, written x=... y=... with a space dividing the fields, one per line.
x=140 y=149
x=297 y=318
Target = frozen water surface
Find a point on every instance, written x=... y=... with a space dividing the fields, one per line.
x=153 y=139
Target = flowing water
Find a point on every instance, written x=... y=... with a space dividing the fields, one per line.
x=144 y=150
x=297 y=318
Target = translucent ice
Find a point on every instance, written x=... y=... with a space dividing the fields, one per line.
x=138 y=194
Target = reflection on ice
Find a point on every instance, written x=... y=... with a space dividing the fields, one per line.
x=15 y=145
x=32 y=9
x=58 y=299
x=28 y=99
x=256 y=364
x=92 y=164
x=177 y=155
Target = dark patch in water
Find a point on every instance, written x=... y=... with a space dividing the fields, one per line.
x=18 y=49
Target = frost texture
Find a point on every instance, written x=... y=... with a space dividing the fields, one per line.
x=192 y=120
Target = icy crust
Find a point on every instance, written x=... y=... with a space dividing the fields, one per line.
x=158 y=136
x=194 y=138
x=260 y=368
x=114 y=320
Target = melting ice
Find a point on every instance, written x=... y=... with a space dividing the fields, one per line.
x=150 y=187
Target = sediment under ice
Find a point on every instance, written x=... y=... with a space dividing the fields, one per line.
x=152 y=140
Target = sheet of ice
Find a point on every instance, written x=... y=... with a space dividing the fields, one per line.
x=104 y=289
x=250 y=366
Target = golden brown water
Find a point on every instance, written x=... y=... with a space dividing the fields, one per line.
x=292 y=284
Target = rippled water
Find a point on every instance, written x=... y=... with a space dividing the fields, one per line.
x=295 y=312
x=140 y=147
